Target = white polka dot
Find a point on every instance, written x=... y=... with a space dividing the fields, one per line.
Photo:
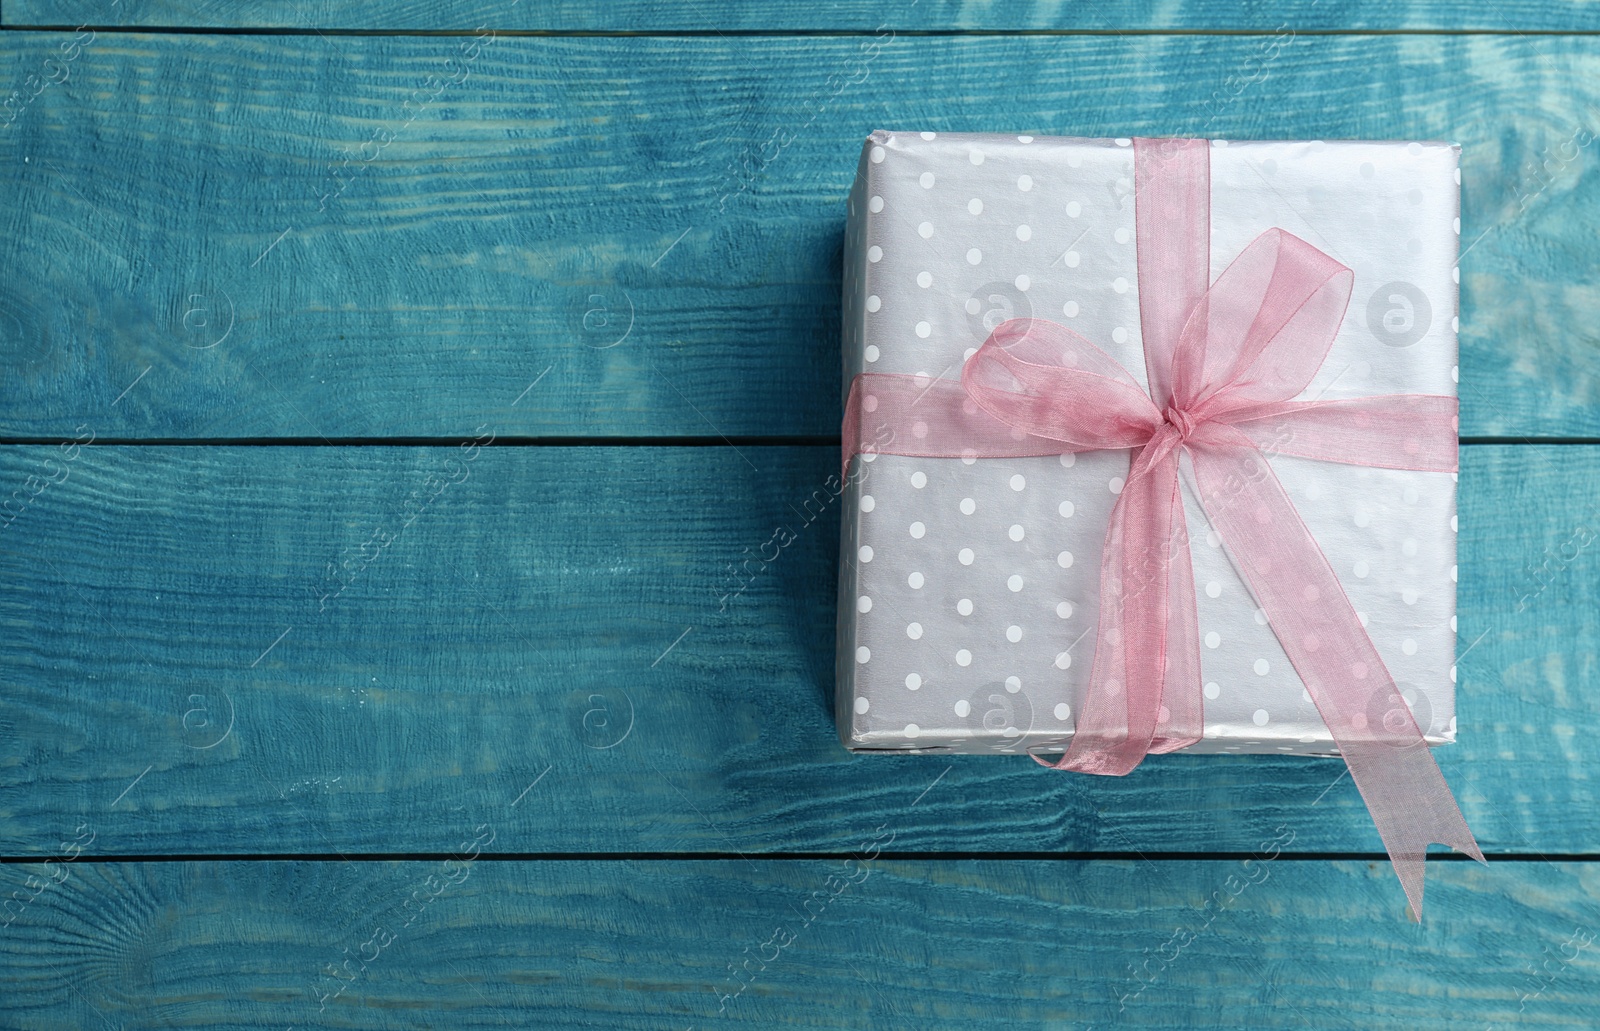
x=963 y=658
x=1121 y=235
x=1022 y=283
x=1024 y=233
x=865 y=554
x=1262 y=667
x=1409 y=596
x=925 y=230
x=1063 y=710
x=913 y=681
x=975 y=156
x=1064 y=560
x=1212 y=540
x=965 y=556
x=1074 y=209
x=1014 y=582
x=1408 y=646
x=1013 y=634
x=1016 y=532
x=1362 y=569
x=1119 y=335
x=875 y=205
x=926 y=179
x=1261 y=617
x=962 y=708
x=862 y=705
x=863 y=654
x=968 y=506
x=1066 y=509
x=1212 y=690
x=1064 y=609
x=874 y=302
x=924 y=279
x=864 y=604
x=1452 y=623
x=877 y=155
x=1259 y=717
x=1452 y=674
x=1067 y=459
x=1018 y=482
x=1453 y=574
x=1455 y=374
x=1363 y=617
x=1024 y=183
x=1070 y=309
x=874 y=253
x=928 y=135
x=868 y=502
x=964 y=606
x=1120 y=285
x=973 y=306
x=1013 y=684
x=912 y=730
x=871 y=354
x=1063 y=660
x=914 y=631
x=1213 y=639
x=1071 y=259
x=917 y=530
x=1368 y=170
x=1213 y=589
x=974 y=256
x=1116 y=485
x=975 y=206
x=915 y=581
x=1363 y=520
x=1123 y=141
x=923 y=329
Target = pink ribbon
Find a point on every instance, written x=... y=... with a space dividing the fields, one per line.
x=1223 y=361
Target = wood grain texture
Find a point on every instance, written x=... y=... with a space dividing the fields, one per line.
x=653 y=225
x=211 y=650
x=825 y=15
x=963 y=945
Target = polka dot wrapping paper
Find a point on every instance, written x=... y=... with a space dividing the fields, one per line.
x=969 y=588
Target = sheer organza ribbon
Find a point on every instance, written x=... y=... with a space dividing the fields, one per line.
x=1223 y=361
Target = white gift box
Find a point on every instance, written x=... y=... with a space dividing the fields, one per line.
x=969 y=588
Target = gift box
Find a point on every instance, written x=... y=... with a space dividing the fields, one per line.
x=970 y=587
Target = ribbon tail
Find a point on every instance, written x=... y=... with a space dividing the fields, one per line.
x=1410 y=803
x=1145 y=650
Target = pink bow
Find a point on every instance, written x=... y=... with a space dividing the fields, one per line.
x=1223 y=362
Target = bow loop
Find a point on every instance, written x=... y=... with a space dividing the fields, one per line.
x=1262 y=330
x=1046 y=380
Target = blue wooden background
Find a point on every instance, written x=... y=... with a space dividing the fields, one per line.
x=386 y=390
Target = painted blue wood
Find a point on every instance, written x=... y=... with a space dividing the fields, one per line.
x=649 y=228
x=1270 y=943
x=313 y=649
x=824 y=15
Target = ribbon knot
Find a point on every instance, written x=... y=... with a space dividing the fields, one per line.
x=1181 y=421
x=1224 y=361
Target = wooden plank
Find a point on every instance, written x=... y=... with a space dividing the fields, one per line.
x=974 y=944
x=212 y=650
x=828 y=15
x=653 y=225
